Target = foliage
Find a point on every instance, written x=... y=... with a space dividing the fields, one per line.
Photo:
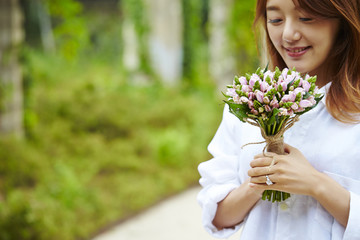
x=241 y=37
x=101 y=149
x=69 y=26
x=195 y=37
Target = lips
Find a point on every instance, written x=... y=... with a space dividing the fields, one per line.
x=296 y=51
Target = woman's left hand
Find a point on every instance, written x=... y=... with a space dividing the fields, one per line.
x=290 y=173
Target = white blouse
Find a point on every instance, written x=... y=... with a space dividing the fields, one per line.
x=330 y=146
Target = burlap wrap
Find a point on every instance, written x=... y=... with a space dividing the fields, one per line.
x=274 y=143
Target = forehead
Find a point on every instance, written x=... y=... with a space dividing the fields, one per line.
x=273 y=5
x=288 y=6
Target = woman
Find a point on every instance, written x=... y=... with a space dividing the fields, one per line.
x=320 y=169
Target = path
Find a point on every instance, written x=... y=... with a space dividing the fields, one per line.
x=178 y=218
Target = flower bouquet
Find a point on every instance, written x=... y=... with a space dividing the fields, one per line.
x=272 y=101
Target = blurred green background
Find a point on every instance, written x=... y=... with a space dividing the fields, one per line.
x=108 y=106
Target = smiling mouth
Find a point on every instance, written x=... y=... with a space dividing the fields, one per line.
x=296 y=50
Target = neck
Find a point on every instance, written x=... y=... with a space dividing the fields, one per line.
x=321 y=78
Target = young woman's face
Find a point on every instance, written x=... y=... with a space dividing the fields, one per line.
x=303 y=41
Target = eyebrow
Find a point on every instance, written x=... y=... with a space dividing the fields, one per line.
x=272 y=8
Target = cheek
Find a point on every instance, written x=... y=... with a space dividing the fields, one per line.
x=325 y=45
x=275 y=37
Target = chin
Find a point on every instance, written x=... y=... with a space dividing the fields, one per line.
x=300 y=68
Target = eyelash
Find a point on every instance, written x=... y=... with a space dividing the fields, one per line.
x=306 y=19
x=274 y=21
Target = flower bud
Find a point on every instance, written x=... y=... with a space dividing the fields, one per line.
x=266 y=100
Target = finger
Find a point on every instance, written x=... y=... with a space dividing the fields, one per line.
x=267 y=154
x=263 y=162
x=289 y=149
x=260 y=171
x=262 y=186
x=263 y=179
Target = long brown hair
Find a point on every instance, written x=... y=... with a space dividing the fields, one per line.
x=343 y=98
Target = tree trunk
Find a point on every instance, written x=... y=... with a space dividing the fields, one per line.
x=222 y=62
x=11 y=99
x=165 y=40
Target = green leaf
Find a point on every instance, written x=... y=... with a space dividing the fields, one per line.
x=312 y=87
x=312 y=79
x=236 y=80
x=318 y=97
x=296 y=83
x=306 y=95
x=227 y=96
x=267 y=67
x=256 y=86
x=277 y=73
x=272 y=119
x=257 y=104
x=290 y=84
x=268 y=80
x=239 y=110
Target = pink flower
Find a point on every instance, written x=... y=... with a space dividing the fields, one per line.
x=305 y=103
x=259 y=96
x=266 y=100
x=244 y=99
x=254 y=78
x=267 y=108
x=237 y=99
x=270 y=74
x=243 y=80
x=284 y=73
x=299 y=89
x=231 y=92
x=251 y=95
x=245 y=88
x=250 y=104
x=274 y=103
x=292 y=96
x=253 y=111
x=312 y=100
x=294 y=106
x=283 y=111
x=284 y=86
x=264 y=86
x=306 y=85
x=289 y=97
x=300 y=109
x=269 y=88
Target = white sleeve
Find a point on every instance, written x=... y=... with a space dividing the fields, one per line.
x=352 y=230
x=219 y=176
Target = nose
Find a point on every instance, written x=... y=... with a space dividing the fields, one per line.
x=291 y=32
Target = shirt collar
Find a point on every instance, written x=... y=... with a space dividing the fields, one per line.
x=324 y=90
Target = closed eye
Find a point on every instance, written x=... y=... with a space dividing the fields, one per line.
x=306 y=19
x=274 y=20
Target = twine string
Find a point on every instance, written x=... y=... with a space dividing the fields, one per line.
x=272 y=139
